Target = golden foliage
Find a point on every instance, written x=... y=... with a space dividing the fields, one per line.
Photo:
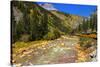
x=90 y=35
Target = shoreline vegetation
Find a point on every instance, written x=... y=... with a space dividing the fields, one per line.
x=41 y=36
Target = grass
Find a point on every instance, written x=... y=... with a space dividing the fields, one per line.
x=86 y=43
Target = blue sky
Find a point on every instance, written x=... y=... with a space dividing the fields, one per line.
x=81 y=10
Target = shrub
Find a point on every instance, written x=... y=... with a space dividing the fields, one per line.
x=52 y=35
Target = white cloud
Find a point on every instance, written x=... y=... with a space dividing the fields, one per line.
x=48 y=6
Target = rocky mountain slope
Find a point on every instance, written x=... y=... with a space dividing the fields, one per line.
x=30 y=21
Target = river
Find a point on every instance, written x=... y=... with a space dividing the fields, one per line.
x=61 y=50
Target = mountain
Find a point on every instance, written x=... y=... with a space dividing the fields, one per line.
x=63 y=16
x=69 y=20
x=30 y=21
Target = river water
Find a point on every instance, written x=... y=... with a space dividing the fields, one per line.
x=57 y=51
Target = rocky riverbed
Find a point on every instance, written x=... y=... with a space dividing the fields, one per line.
x=66 y=49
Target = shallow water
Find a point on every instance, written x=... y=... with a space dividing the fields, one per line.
x=57 y=51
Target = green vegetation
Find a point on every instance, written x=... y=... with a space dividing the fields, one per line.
x=89 y=25
x=86 y=43
x=41 y=36
x=31 y=22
